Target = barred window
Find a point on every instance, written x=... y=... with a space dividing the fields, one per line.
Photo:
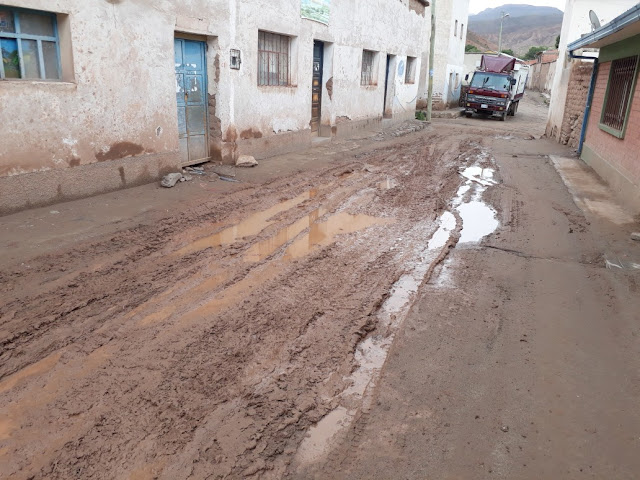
x=619 y=93
x=29 y=44
x=410 y=74
x=274 y=59
x=367 y=67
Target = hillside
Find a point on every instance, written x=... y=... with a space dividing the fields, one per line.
x=481 y=43
x=526 y=26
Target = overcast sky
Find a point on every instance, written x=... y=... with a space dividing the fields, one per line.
x=476 y=6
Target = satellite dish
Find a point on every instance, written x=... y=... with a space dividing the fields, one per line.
x=595 y=21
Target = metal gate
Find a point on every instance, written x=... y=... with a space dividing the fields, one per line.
x=191 y=96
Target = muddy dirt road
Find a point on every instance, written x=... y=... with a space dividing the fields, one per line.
x=245 y=336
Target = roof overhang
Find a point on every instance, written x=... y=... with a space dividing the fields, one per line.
x=424 y=2
x=620 y=28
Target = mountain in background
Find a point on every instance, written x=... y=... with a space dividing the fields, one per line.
x=526 y=26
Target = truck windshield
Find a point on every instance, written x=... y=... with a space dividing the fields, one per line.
x=492 y=81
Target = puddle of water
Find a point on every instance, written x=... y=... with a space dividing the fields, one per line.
x=447 y=225
x=615 y=263
x=251 y=226
x=324 y=233
x=483 y=176
x=478 y=221
x=37 y=368
x=319 y=437
x=266 y=248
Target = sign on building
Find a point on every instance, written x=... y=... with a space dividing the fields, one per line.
x=317 y=10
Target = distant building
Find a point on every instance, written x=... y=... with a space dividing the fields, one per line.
x=543 y=70
x=100 y=95
x=452 y=18
x=610 y=143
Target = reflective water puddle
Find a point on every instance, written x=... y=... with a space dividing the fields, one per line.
x=478 y=221
x=251 y=226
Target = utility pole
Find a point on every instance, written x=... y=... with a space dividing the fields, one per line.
x=502 y=17
x=432 y=42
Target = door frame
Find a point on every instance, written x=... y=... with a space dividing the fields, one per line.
x=204 y=40
x=320 y=86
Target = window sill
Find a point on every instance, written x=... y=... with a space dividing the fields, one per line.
x=612 y=131
x=277 y=87
x=59 y=83
x=373 y=86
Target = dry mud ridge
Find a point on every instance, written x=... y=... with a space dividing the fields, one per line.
x=235 y=338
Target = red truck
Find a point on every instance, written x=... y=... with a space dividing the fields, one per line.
x=497 y=86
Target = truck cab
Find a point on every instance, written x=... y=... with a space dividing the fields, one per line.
x=496 y=87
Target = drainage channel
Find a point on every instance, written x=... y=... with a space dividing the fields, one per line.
x=468 y=221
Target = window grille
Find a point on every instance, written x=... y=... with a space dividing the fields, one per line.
x=619 y=94
x=462 y=30
x=455 y=30
x=29 y=45
x=274 y=59
x=367 y=67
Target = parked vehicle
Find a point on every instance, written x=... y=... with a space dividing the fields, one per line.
x=497 y=86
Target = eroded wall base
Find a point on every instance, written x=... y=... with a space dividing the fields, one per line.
x=38 y=189
x=627 y=192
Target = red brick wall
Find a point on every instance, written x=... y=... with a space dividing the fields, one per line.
x=623 y=154
x=577 y=93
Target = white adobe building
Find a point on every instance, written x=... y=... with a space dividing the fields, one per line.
x=109 y=94
x=576 y=23
x=452 y=17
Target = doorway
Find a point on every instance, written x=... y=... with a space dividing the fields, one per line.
x=388 y=98
x=191 y=96
x=316 y=88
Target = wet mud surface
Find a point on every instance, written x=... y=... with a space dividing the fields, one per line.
x=206 y=345
x=315 y=325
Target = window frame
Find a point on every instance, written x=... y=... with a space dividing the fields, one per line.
x=264 y=78
x=19 y=36
x=372 y=69
x=604 y=127
x=410 y=72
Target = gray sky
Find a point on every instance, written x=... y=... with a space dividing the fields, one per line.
x=476 y=6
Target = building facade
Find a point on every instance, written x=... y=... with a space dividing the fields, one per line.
x=98 y=95
x=568 y=89
x=452 y=18
x=611 y=139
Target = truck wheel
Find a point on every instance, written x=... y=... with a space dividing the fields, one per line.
x=468 y=114
x=503 y=117
x=515 y=109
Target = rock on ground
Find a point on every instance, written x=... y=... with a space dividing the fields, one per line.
x=246 y=161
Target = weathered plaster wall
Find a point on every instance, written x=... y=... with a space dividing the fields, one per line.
x=449 y=52
x=116 y=112
x=576 y=22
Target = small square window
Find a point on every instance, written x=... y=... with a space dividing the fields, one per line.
x=368 y=58
x=274 y=59
x=29 y=45
x=410 y=74
x=615 y=110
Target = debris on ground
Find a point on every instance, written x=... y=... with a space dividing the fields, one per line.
x=228 y=179
x=246 y=161
x=635 y=236
x=224 y=170
x=194 y=170
x=170 y=180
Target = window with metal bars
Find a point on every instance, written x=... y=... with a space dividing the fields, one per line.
x=619 y=93
x=29 y=44
x=410 y=74
x=274 y=59
x=368 y=57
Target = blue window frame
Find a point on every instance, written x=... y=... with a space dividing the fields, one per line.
x=29 y=45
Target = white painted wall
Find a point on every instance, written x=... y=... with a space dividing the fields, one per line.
x=576 y=23
x=449 y=51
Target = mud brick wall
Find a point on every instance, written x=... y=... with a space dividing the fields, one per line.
x=621 y=153
x=576 y=103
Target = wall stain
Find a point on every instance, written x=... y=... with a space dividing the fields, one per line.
x=250 y=133
x=330 y=88
x=74 y=162
x=122 y=177
x=120 y=150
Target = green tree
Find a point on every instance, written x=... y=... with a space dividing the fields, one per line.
x=558 y=41
x=471 y=49
x=508 y=51
x=533 y=51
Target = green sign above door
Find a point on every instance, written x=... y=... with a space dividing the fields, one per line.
x=317 y=10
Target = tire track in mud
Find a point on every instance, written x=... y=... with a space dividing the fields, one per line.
x=234 y=390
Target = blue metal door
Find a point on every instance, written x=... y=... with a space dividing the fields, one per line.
x=191 y=95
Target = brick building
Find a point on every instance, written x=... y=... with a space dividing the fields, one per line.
x=611 y=135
